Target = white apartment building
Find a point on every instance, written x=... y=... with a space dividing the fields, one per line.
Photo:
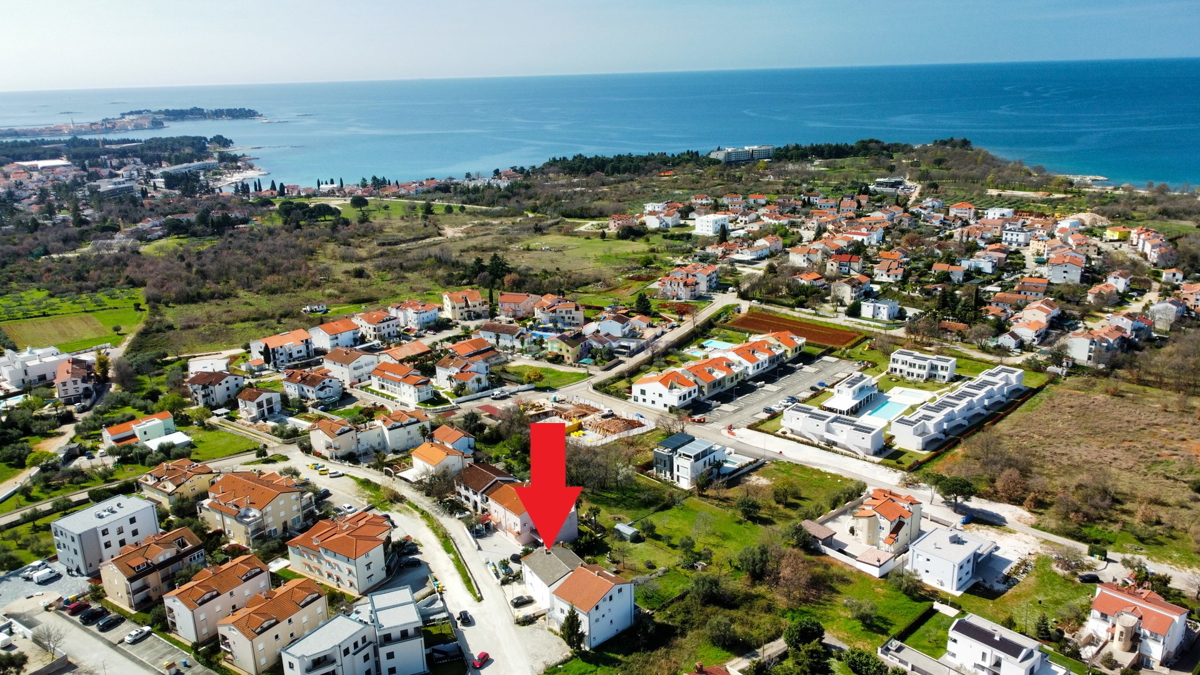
x=1137 y=625
x=953 y=413
x=348 y=553
x=87 y=538
x=338 y=438
x=307 y=385
x=350 y=366
x=880 y=309
x=214 y=389
x=913 y=365
x=30 y=366
x=282 y=350
x=949 y=560
x=142 y=430
x=399 y=644
x=406 y=384
x=683 y=459
x=829 y=428
x=465 y=305
x=340 y=333
x=888 y=521
x=194 y=608
x=415 y=314
x=976 y=645
x=604 y=602
x=340 y=646
x=377 y=326
x=544 y=569
x=711 y=225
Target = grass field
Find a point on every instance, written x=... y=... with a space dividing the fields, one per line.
x=894 y=609
x=552 y=378
x=930 y=637
x=39 y=303
x=213 y=444
x=39 y=496
x=71 y=332
x=1044 y=590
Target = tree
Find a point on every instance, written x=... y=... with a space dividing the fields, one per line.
x=572 y=630
x=706 y=588
x=797 y=535
x=855 y=309
x=49 y=638
x=102 y=365
x=755 y=561
x=12 y=663
x=956 y=488
x=359 y=202
x=533 y=376
x=802 y=631
x=812 y=659
x=642 y=305
x=862 y=611
x=124 y=375
x=748 y=506
x=907 y=582
x=863 y=662
x=172 y=403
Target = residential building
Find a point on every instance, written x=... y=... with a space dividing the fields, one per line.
x=954 y=272
x=685 y=460
x=140 y=574
x=88 y=537
x=1030 y=331
x=888 y=521
x=1136 y=327
x=711 y=225
x=465 y=305
x=349 y=553
x=953 y=413
x=283 y=350
x=338 y=439
x=603 y=601
x=1172 y=276
x=504 y=336
x=976 y=645
x=259 y=405
x=30 y=366
x=433 y=457
x=832 y=429
x=544 y=570
x=880 y=309
x=214 y=389
x=182 y=479
x=472 y=375
x=311 y=385
x=667 y=391
x=964 y=210
x=74 y=380
x=455 y=438
x=403 y=430
x=572 y=347
x=508 y=516
x=473 y=482
x=842 y=264
x=555 y=310
x=405 y=353
x=399 y=642
x=1120 y=279
x=750 y=153
x=407 y=385
x=415 y=314
x=214 y=593
x=1062 y=269
x=1104 y=294
x=340 y=646
x=516 y=305
x=340 y=333
x=1138 y=625
x=351 y=366
x=253 y=636
x=378 y=326
x=1096 y=347
x=913 y=365
x=251 y=506
x=949 y=560
x=852 y=394
x=141 y=430
x=846 y=291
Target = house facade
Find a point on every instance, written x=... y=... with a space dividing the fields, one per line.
x=172 y=481
x=251 y=506
x=350 y=366
x=141 y=573
x=283 y=350
x=141 y=430
x=913 y=365
x=1138 y=625
x=340 y=333
x=684 y=460
x=87 y=538
x=405 y=384
x=349 y=553
x=258 y=405
x=195 y=608
x=214 y=389
x=949 y=560
x=309 y=386
x=603 y=601
x=466 y=305
x=252 y=637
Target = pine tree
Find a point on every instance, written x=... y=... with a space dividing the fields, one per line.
x=273 y=188
x=572 y=630
x=642 y=304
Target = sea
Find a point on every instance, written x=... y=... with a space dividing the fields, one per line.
x=1128 y=121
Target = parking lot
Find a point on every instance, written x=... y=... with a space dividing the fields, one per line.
x=744 y=404
x=13 y=587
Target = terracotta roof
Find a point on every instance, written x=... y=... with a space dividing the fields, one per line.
x=469 y=295
x=127 y=427
x=331 y=427
x=170 y=475
x=132 y=556
x=513 y=298
x=352 y=537
x=217 y=581
x=471 y=346
x=402 y=417
x=308 y=378
x=669 y=379
x=377 y=317
x=207 y=378
x=408 y=350
x=587 y=585
x=267 y=609
x=338 y=327
x=399 y=373
x=242 y=489
x=1156 y=614
x=449 y=435
x=434 y=453
x=253 y=394
x=477 y=477
x=505 y=496
x=344 y=355
x=501 y=328
x=417 y=305
x=284 y=339
x=887 y=504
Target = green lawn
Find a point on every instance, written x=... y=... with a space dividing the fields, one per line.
x=552 y=378
x=35 y=303
x=213 y=444
x=7 y=471
x=32 y=541
x=711 y=527
x=123 y=472
x=633 y=503
x=1044 y=590
x=71 y=332
x=894 y=609
x=653 y=594
x=931 y=637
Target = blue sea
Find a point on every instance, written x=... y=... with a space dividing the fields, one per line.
x=1131 y=121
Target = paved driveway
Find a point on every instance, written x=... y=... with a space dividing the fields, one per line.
x=744 y=404
x=13 y=587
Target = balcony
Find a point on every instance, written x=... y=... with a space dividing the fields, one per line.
x=322 y=661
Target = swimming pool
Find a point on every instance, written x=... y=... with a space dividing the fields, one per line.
x=716 y=344
x=888 y=410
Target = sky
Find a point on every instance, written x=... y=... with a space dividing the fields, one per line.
x=88 y=44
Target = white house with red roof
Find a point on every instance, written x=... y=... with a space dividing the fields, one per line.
x=348 y=553
x=415 y=314
x=888 y=521
x=671 y=389
x=340 y=333
x=465 y=305
x=282 y=350
x=556 y=310
x=406 y=384
x=603 y=601
x=964 y=210
x=508 y=516
x=1137 y=625
x=141 y=430
x=516 y=305
x=377 y=326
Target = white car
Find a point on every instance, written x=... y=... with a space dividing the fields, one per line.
x=137 y=634
x=104 y=453
x=348 y=509
x=336 y=474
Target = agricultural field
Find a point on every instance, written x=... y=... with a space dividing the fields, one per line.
x=39 y=303
x=72 y=332
x=762 y=322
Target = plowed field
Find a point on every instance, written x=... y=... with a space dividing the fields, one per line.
x=814 y=333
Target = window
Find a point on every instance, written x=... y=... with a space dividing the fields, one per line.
x=108 y=544
x=103 y=532
x=366 y=657
x=291 y=665
x=134 y=533
x=345 y=651
x=132 y=519
x=391 y=671
x=120 y=529
x=390 y=656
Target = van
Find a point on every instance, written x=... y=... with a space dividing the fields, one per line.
x=45 y=576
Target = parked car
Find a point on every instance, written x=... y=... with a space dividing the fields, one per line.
x=90 y=455
x=324 y=493
x=137 y=634
x=770 y=410
x=45 y=576
x=1089 y=578
x=823 y=385
x=410 y=562
x=481 y=659
x=110 y=622
x=791 y=399
x=814 y=388
x=323 y=471
x=93 y=615
x=348 y=509
x=499 y=395
x=521 y=601
x=464 y=618
x=103 y=453
x=77 y=607
x=336 y=474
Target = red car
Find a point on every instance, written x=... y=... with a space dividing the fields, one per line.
x=77 y=607
x=481 y=659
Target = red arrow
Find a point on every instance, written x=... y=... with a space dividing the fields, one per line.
x=548 y=499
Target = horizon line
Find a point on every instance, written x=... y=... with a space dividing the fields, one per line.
x=610 y=73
